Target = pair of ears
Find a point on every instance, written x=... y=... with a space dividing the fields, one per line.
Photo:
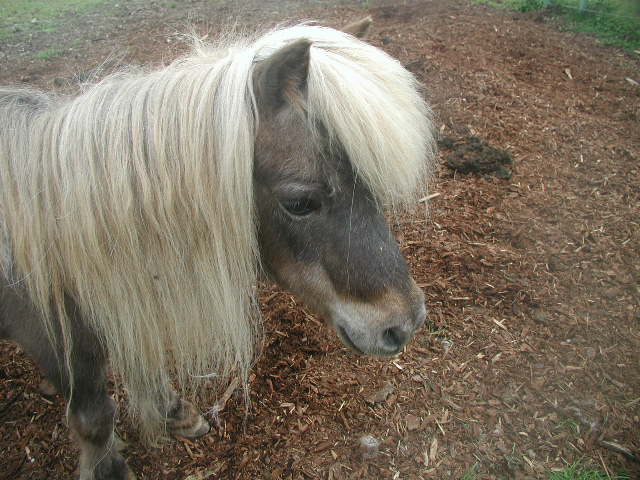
x=282 y=78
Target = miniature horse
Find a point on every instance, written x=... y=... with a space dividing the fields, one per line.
x=136 y=218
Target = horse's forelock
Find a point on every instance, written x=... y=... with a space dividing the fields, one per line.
x=368 y=103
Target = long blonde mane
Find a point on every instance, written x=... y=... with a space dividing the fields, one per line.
x=135 y=199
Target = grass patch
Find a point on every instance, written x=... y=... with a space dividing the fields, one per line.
x=576 y=472
x=570 y=425
x=38 y=15
x=49 y=53
x=471 y=473
x=616 y=22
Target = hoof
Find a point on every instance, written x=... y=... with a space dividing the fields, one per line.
x=116 y=469
x=201 y=428
x=118 y=443
x=186 y=421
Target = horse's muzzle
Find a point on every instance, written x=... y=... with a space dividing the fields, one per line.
x=378 y=333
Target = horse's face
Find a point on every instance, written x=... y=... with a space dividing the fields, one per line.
x=321 y=233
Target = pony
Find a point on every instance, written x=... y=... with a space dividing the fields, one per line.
x=137 y=217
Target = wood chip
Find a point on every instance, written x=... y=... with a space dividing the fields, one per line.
x=433 y=449
x=429 y=197
x=413 y=422
x=205 y=474
x=619 y=449
x=381 y=395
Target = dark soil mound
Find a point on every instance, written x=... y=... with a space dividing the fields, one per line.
x=472 y=155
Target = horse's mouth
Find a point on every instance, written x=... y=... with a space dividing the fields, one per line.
x=344 y=337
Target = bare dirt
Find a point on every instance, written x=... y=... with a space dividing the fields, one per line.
x=533 y=359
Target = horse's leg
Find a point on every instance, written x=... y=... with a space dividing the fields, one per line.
x=91 y=410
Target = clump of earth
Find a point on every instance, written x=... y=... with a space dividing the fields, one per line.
x=472 y=155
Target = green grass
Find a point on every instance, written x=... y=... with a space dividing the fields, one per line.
x=470 y=474
x=19 y=16
x=576 y=472
x=49 y=53
x=616 y=22
x=570 y=425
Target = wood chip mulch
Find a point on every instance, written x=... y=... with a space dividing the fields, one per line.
x=532 y=358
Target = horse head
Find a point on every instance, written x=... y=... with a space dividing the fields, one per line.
x=322 y=231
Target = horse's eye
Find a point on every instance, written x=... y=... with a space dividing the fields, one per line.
x=301 y=207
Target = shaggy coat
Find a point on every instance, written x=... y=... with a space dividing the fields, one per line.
x=135 y=199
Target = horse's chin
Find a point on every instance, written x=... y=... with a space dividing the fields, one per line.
x=371 y=351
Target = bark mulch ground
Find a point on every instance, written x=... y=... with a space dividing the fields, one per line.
x=532 y=280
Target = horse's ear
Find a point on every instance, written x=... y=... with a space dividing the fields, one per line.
x=360 y=28
x=282 y=78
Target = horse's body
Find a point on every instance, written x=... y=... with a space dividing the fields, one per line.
x=134 y=219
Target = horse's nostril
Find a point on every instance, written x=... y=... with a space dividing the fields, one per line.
x=394 y=337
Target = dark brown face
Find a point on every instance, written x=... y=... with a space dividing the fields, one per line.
x=321 y=233
x=323 y=237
